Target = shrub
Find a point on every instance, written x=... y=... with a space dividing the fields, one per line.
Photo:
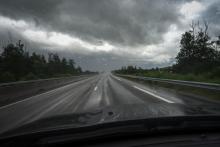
x=30 y=76
x=7 y=77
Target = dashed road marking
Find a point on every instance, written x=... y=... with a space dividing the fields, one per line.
x=47 y=92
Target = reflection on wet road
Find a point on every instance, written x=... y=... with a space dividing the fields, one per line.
x=97 y=92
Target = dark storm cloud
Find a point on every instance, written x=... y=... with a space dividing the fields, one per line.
x=38 y=11
x=126 y=22
x=128 y=25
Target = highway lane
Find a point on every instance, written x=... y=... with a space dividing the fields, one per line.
x=89 y=94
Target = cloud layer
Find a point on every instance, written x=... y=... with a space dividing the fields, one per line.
x=113 y=32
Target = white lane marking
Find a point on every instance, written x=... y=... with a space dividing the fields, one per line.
x=150 y=93
x=47 y=92
x=48 y=109
x=118 y=79
x=95 y=88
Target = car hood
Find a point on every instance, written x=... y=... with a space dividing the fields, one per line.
x=106 y=115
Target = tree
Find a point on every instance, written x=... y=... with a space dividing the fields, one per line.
x=14 y=60
x=64 y=65
x=196 y=52
x=54 y=64
x=71 y=66
x=38 y=64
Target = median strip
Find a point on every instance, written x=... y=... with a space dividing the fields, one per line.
x=154 y=95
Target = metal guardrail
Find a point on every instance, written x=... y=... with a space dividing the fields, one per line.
x=211 y=86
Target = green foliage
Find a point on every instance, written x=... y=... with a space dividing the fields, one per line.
x=13 y=60
x=29 y=76
x=130 y=70
x=198 y=59
x=7 y=77
x=197 y=53
x=16 y=64
x=212 y=76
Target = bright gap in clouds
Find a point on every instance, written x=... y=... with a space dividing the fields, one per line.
x=166 y=50
x=192 y=9
x=52 y=39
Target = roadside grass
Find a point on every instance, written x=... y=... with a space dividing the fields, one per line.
x=204 y=77
x=182 y=89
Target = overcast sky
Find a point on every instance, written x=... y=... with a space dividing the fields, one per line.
x=105 y=34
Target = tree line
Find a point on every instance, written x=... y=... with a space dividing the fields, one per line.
x=199 y=54
x=18 y=64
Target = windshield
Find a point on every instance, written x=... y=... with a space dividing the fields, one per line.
x=103 y=61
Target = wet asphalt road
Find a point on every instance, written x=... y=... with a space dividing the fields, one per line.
x=95 y=92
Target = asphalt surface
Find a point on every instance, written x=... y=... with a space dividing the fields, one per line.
x=94 y=92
